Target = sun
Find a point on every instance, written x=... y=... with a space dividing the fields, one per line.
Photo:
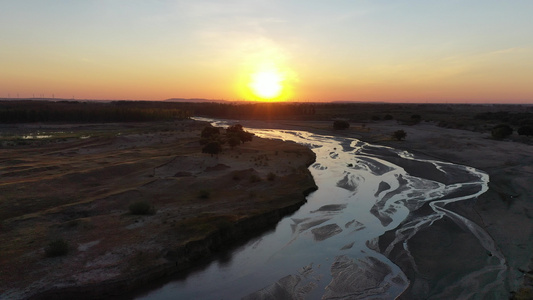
x=266 y=84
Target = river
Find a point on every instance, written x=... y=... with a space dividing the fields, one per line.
x=372 y=201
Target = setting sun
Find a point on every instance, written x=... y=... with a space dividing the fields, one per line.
x=266 y=84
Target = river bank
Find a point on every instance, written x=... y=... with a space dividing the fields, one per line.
x=78 y=189
x=505 y=211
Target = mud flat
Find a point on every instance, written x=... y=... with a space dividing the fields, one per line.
x=77 y=182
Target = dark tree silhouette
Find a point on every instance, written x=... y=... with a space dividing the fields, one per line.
x=526 y=130
x=340 y=125
x=501 y=131
x=213 y=148
x=210 y=132
x=399 y=135
x=238 y=131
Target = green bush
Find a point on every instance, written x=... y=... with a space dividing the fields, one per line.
x=141 y=207
x=57 y=247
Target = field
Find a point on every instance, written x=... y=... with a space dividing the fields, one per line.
x=131 y=202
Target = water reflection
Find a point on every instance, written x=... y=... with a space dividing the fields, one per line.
x=331 y=247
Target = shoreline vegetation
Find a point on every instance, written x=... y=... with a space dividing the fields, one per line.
x=74 y=181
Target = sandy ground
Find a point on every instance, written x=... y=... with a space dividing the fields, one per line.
x=79 y=190
x=505 y=211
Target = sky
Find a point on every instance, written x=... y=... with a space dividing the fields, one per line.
x=468 y=51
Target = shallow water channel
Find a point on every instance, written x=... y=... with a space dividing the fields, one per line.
x=333 y=247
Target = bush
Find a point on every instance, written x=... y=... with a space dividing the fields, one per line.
x=387 y=117
x=271 y=176
x=204 y=194
x=254 y=178
x=399 y=135
x=141 y=208
x=340 y=125
x=501 y=131
x=376 y=118
x=210 y=132
x=526 y=130
x=233 y=141
x=57 y=247
x=238 y=132
x=213 y=147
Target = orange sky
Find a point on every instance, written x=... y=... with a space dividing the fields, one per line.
x=481 y=51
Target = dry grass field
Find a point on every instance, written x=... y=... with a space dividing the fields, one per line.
x=76 y=183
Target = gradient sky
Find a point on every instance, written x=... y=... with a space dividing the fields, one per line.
x=389 y=50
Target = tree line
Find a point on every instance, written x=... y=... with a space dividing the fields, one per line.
x=30 y=111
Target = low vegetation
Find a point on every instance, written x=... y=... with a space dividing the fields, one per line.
x=141 y=207
x=340 y=124
x=501 y=131
x=399 y=135
x=30 y=111
x=213 y=140
x=58 y=247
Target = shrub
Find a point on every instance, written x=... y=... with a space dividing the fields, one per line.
x=204 y=194
x=501 y=131
x=210 y=132
x=340 y=125
x=387 y=117
x=57 y=247
x=271 y=176
x=399 y=135
x=213 y=147
x=233 y=141
x=376 y=118
x=141 y=207
x=238 y=131
x=526 y=130
x=254 y=178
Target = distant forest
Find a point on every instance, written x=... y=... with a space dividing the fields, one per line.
x=449 y=115
x=38 y=111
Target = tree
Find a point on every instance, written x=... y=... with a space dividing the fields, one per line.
x=416 y=118
x=213 y=148
x=501 y=131
x=340 y=125
x=526 y=130
x=210 y=132
x=399 y=135
x=238 y=131
x=233 y=141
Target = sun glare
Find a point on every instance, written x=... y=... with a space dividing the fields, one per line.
x=266 y=84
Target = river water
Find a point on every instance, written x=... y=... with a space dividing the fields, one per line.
x=331 y=247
